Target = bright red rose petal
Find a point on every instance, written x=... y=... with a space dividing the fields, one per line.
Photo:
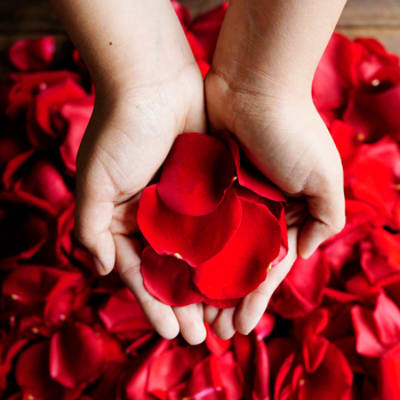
x=242 y=264
x=194 y=239
x=196 y=174
x=168 y=279
x=250 y=177
x=77 y=114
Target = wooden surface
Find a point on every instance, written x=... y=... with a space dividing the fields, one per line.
x=377 y=18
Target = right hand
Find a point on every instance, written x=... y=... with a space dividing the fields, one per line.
x=129 y=135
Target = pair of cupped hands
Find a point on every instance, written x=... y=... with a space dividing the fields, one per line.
x=136 y=119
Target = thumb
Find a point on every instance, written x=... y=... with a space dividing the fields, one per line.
x=93 y=216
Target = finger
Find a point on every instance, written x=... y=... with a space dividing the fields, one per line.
x=210 y=313
x=124 y=216
x=327 y=218
x=93 y=216
x=254 y=304
x=191 y=323
x=296 y=212
x=160 y=315
x=223 y=324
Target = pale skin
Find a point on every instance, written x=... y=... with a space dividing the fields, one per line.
x=149 y=90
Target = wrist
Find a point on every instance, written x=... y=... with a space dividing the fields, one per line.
x=267 y=43
x=126 y=41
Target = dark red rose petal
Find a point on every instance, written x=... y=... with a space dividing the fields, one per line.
x=33 y=54
x=55 y=96
x=32 y=373
x=218 y=377
x=375 y=114
x=75 y=354
x=25 y=86
x=168 y=279
x=194 y=239
x=170 y=368
x=389 y=373
x=332 y=380
x=122 y=314
x=196 y=174
x=225 y=303
x=31 y=284
x=242 y=264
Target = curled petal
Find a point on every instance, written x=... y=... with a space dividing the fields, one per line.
x=168 y=279
x=75 y=354
x=194 y=239
x=242 y=264
x=250 y=177
x=33 y=54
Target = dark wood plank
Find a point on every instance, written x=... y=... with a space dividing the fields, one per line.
x=371 y=13
x=390 y=38
x=37 y=16
x=377 y=18
x=29 y=16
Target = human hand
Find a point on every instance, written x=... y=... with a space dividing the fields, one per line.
x=148 y=90
x=259 y=88
x=287 y=140
x=128 y=138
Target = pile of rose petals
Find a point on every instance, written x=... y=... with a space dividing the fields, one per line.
x=332 y=330
x=198 y=221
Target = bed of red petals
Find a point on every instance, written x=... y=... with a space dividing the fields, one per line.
x=332 y=330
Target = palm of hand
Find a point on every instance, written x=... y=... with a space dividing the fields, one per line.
x=287 y=140
x=124 y=146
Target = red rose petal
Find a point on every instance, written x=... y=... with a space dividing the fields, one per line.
x=335 y=73
x=194 y=239
x=389 y=373
x=122 y=314
x=196 y=174
x=75 y=354
x=25 y=86
x=33 y=54
x=242 y=264
x=32 y=373
x=216 y=378
x=332 y=380
x=168 y=279
x=224 y=303
x=77 y=114
x=297 y=296
x=215 y=344
x=169 y=368
x=32 y=284
x=54 y=96
x=43 y=180
x=206 y=28
x=250 y=177
x=365 y=330
x=375 y=114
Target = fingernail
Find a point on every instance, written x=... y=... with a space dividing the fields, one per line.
x=99 y=266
